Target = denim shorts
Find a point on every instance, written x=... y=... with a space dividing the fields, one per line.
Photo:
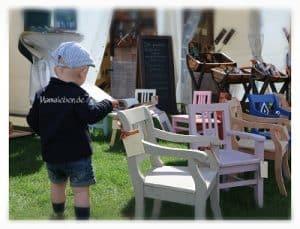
x=80 y=172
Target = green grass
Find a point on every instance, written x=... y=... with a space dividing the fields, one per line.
x=112 y=197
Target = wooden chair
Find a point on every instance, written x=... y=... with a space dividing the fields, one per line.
x=191 y=184
x=283 y=102
x=102 y=124
x=231 y=162
x=143 y=96
x=161 y=117
x=275 y=149
x=199 y=97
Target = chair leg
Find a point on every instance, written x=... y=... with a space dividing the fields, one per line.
x=139 y=207
x=200 y=208
x=286 y=167
x=214 y=203
x=113 y=137
x=174 y=125
x=105 y=126
x=278 y=176
x=156 y=208
x=259 y=190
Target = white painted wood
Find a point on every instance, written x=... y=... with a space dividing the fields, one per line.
x=230 y=161
x=144 y=95
x=190 y=184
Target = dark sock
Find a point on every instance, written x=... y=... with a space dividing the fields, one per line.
x=58 y=208
x=82 y=213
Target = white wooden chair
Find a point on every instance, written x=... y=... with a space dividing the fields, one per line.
x=191 y=184
x=102 y=124
x=144 y=95
x=162 y=118
x=231 y=162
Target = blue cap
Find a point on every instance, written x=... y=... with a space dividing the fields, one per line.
x=72 y=55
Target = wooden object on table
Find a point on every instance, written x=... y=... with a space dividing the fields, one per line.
x=207 y=61
x=224 y=76
x=191 y=184
x=203 y=65
x=230 y=161
x=270 y=78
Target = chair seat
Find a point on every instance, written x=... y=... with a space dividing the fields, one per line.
x=232 y=157
x=177 y=178
x=182 y=117
x=185 y=118
x=268 y=144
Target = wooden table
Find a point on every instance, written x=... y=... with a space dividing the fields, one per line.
x=225 y=79
x=270 y=80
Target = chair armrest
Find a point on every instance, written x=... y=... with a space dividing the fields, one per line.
x=259 y=141
x=284 y=112
x=181 y=138
x=255 y=119
x=247 y=124
x=273 y=128
x=255 y=137
x=201 y=156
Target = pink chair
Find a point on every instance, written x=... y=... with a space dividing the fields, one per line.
x=231 y=162
x=180 y=122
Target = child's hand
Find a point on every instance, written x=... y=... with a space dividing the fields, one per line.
x=115 y=103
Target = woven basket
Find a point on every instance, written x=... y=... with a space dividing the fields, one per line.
x=259 y=75
x=196 y=65
x=219 y=76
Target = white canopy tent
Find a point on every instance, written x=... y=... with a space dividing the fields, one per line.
x=94 y=26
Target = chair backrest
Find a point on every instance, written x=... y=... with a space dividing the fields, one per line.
x=209 y=124
x=266 y=104
x=162 y=118
x=202 y=97
x=283 y=102
x=144 y=95
x=235 y=108
x=139 y=118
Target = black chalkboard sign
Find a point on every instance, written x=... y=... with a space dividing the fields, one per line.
x=156 y=69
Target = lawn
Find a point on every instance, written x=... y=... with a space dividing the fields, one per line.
x=112 y=197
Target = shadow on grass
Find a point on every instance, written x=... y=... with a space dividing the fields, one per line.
x=117 y=148
x=236 y=204
x=168 y=211
x=24 y=156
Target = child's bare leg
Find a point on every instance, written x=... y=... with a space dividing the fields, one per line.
x=58 y=192
x=81 y=202
x=58 y=197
